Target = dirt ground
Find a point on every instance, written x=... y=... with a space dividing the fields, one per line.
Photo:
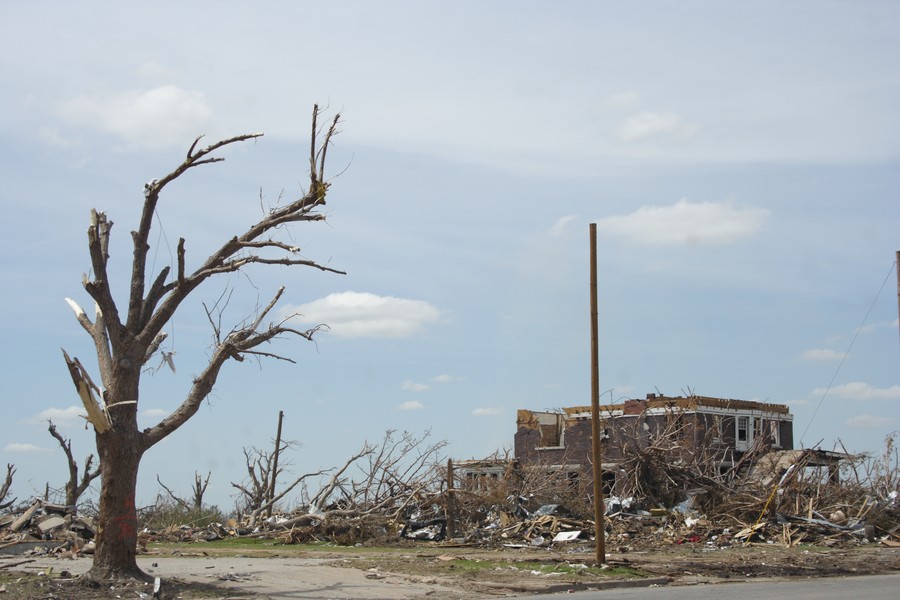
x=433 y=570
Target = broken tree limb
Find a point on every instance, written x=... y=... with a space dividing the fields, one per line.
x=254 y=515
x=4 y=489
x=334 y=482
x=85 y=388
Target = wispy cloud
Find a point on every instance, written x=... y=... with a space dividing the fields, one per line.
x=154 y=413
x=443 y=378
x=62 y=417
x=411 y=405
x=486 y=411
x=24 y=448
x=687 y=223
x=153 y=118
x=868 y=422
x=649 y=125
x=412 y=386
x=360 y=314
x=559 y=227
x=821 y=354
x=858 y=390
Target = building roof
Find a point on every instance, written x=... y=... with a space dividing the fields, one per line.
x=654 y=401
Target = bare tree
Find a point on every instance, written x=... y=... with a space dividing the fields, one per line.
x=74 y=487
x=4 y=489
x=254 y=490
x=125 y=339
x=199 y=489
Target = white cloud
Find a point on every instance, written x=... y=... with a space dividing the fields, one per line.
x=412 y=386
x=62 y=417
x=443 y=378
x=687 y=223
x=486 y=412
x=821 y=354
x=648 y=125
x=153 y=118
x=411 y=405
x=24 y=448
x=154 y=413
x=868 y=422
x=858 y=390
x=357 y=314
x=559 y=227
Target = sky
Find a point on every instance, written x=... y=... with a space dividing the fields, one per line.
x=740 y=161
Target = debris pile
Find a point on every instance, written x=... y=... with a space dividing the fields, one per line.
x=44 y=527
x=785 y=498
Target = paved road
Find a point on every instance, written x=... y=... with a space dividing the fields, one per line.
x=269 y=578
x=871 y=587
x=314 y=579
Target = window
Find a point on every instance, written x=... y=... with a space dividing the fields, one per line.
x=481 y=481
x=743 y=429
x=775 y=433
x=551 y=429
x=716 y=428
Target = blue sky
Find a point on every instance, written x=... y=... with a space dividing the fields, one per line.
x=739 y=159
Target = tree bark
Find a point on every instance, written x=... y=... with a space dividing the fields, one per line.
x=115 y=556
x=120 y=450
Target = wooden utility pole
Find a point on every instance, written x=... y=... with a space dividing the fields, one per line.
x=599 y=527
x=451 y=500
x=274 y=472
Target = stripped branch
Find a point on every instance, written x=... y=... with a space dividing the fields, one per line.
x=4 y=489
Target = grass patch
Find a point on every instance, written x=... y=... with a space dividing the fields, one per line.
x=8 y=578
x=544 y=568
x=257 y=546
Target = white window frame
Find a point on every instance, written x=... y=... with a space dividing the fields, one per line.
x=775 y=432
x=717 y=428
x=747 y=420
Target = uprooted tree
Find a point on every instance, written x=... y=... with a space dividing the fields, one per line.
x=125 y=340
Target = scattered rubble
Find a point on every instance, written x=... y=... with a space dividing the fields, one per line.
x=784 y=500
x=46 y=528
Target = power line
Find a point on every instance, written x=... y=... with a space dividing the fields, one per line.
x=843 y=358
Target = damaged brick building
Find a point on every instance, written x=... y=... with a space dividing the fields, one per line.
x=721 y=430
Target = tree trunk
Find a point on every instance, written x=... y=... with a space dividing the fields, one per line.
x=115 y=556
x=120 y=450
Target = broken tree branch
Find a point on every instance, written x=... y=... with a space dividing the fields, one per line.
x=86 y=388
x=74 y=488
x=4 y=489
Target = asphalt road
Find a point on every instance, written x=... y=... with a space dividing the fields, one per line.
x=871 y=587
